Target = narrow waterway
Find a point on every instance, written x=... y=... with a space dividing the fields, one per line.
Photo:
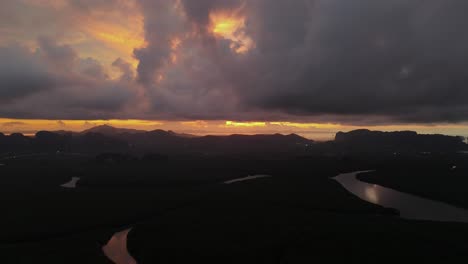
x=410 y=206
x=248 y=178
x=71 y=184
x=116 y=249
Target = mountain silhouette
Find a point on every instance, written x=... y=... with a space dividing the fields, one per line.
x=399 y=141
x=110 y=130
x=108 y=139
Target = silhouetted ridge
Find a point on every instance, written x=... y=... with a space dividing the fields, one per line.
x=110 y=130
x=2 y=139
x=46 y=135
x=250 y=143
x=18 y=138
x=160 y=132
x=64 y=132
x=50 y=141
x=366 y=140
x=107 y=139
x=17 y=135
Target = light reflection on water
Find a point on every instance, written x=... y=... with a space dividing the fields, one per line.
x=248 y=178
x=72 y=183
x=116 y=249
x=410 y=206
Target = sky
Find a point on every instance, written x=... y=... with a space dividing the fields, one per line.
x=312 y=67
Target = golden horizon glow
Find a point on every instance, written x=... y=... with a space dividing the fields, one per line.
x=306 y=125
x=316 y=131
x=244 y=124
x=197 y=124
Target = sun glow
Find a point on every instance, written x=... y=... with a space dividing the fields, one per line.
x=232 y=26
x=121 y=40
x=226 y=26
x=108 y=35
x=305 y=125
x=316 y=131
x=31 y=126
x=245 y=124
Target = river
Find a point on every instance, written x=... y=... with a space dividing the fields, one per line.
x=410 y=206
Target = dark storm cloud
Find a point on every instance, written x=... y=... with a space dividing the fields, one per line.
x=397 y=60
x=21 y=74
x=403 y=60
x=311 y=60
x=199 y=11
x=54 y=82
x=92 y=68
x=125 y=68
x=162 y=23
x=60 y=56
x=90 y=5
x=64 y=59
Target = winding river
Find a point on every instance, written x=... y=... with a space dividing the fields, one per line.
x=410 y=206
x=116 y=249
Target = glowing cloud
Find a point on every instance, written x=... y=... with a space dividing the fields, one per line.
x=231 y=26
x=120 y=39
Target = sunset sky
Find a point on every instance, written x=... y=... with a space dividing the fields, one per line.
x=312 y=67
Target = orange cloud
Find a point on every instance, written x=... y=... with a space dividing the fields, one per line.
x=120 y=39
x=104 y=33
x=230 y=25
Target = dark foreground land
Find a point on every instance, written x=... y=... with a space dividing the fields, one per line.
x=180 y=211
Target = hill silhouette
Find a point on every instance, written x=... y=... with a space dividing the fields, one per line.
x=110 y=130
x=399 y=141
x=105 y=139
x=169 y=188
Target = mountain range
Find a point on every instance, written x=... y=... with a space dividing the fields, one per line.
x=108 y=139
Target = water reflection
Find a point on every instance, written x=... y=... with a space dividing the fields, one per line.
x=248 y=178
x=116 y=249
x=410 y=206
x=372 y=194
x=72 y=183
